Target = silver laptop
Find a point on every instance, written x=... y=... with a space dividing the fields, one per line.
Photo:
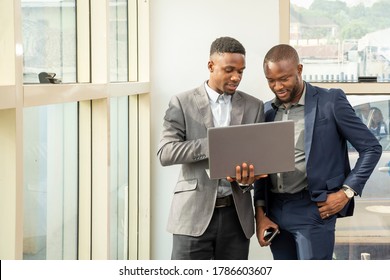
x=269 y=146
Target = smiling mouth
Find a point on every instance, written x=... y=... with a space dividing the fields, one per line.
x=282 y=93
x=232 y=86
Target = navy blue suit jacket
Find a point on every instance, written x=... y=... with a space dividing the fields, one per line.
x=330 y=122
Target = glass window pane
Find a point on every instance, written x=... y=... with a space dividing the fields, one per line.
x=367 y=232
x=49 y=39
x=50 y=182
x=340 y=41
x=118 y=41
x=119 y=170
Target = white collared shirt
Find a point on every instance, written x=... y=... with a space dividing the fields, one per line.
x=221 y=117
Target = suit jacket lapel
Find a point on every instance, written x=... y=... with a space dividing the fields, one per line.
x=270 y=112
x=202 y=101
x=311 y=100
x=238 y=107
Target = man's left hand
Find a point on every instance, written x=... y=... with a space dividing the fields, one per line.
x=333 y=204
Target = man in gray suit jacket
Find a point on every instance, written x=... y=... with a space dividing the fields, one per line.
x=209 y=219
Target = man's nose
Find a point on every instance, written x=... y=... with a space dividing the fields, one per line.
x=236 y=77
x=278 y=85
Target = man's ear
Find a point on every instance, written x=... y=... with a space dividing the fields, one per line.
x=300 y=68
x=210 y=66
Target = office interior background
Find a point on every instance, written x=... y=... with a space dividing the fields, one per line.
x=79 y=175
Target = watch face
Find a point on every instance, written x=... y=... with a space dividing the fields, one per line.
x=349 y=193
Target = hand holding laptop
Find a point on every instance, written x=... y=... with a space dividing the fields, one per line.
x=245 y=176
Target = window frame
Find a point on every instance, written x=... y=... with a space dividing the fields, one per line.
x=93 y=92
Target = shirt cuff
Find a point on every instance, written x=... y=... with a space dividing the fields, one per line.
x=259 y=203
x=348 y=187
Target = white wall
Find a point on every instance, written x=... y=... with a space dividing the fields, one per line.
x=181 y=34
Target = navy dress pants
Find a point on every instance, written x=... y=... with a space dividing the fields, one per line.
x=304 y=235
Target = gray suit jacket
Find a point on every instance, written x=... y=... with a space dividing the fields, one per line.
x=184 y=141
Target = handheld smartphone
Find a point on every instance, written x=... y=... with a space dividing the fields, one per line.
x=270 y=234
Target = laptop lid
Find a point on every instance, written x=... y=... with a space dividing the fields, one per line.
x=269 y=146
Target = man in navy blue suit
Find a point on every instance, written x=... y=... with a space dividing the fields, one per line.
x=304 y=204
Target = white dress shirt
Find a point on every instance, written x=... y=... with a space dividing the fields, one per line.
x=221 y=106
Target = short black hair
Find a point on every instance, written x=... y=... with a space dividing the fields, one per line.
x=281 y=52
x=226 y=45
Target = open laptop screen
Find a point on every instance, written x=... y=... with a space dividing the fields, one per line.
x=269 y=146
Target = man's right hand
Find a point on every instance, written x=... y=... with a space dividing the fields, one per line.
x=263 y=223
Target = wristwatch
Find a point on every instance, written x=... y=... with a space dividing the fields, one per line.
x=348 y=192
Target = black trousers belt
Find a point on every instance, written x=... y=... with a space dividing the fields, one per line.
x=290 y=196
x=225 y=201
